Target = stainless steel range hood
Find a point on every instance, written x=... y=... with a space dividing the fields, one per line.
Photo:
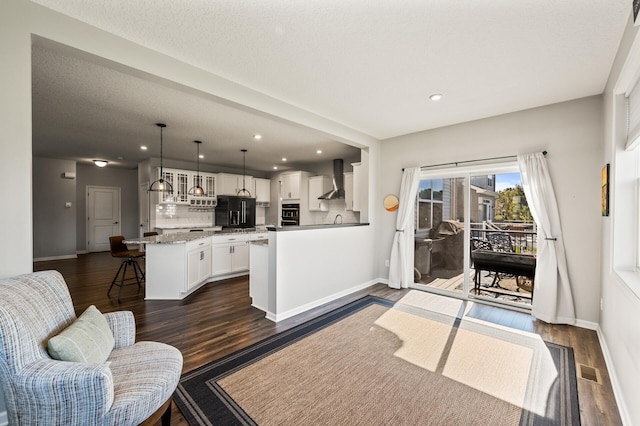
x=337 y=192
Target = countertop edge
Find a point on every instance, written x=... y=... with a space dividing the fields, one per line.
x=313 y=227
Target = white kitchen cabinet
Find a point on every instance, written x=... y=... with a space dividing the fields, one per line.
x=319 y=185
x=348 y=190
x=291 y=183
x=230 y=253
x=179 y=180
x=357 y=187
x=208 y=183
x=198 y=262
x=262 y=192
x=230 y=184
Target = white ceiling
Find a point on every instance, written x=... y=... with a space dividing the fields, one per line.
x=369 y=65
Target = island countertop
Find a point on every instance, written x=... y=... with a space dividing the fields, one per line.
x=185 y=237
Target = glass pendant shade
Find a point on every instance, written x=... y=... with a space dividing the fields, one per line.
x=161 y=185
x=244 y=192
x=196 y=190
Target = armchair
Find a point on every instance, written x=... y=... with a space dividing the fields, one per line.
x=135 y=381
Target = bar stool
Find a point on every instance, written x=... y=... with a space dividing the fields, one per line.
x=120 y=249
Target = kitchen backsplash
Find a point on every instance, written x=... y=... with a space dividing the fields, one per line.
x=176 y=215
x=336 y=207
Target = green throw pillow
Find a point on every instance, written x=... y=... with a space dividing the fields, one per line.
x=87 y=339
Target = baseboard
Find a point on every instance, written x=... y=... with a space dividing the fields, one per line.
x=300 y=309
x=81 y=252
x=613 y=377
x=589 y=325
x=66 y=256
x=4 y=419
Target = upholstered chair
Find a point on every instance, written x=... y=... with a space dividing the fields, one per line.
x=134 y=381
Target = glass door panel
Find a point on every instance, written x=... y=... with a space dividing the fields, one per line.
x=440 y=234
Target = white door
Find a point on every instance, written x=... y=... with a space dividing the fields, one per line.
x=103 y=216
x=143 y=208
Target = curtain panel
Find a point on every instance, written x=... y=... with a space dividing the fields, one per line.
x=553 y=301
x=401 y=259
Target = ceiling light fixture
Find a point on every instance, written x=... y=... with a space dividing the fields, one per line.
x=196 y=190
x=244 y=192
x=436 y=97
x=257 y=136
x=161 y=185
x=275 y=167
x=100 y=163
x=143 y=147
x=319 y=151
x=284 y=159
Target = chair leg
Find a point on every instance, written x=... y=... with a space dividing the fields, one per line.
x=124 y=274
x=166 y=416
x=135 y=266
x=115 y=278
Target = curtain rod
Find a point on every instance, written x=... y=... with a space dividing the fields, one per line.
x=456 y=163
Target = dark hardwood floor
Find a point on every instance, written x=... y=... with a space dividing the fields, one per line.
x=218 y=319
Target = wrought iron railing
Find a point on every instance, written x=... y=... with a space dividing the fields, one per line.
x=523 y=235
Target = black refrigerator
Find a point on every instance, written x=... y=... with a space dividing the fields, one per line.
x=235 y=212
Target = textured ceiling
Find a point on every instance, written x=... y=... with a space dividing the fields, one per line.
x=369 y=65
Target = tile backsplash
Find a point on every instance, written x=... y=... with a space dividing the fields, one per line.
x=177 y=215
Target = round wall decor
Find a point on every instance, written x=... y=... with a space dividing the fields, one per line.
x=391 y=203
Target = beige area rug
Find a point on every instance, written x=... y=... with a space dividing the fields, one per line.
x=419 y=362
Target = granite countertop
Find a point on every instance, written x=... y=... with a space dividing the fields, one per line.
x=215 y=228
x=320 y=226
x=185 y=237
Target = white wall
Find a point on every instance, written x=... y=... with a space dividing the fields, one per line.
x=571 y=132
x=54 y=224
x=619 y=325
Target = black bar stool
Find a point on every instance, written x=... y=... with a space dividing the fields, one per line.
x=120 y=249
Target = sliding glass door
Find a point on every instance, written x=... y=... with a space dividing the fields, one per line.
x=460 y=211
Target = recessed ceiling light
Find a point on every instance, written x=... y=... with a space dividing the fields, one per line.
x=201 y=156
x=143 y=147
x=319 y=151
x=284 y=159
x=436 y=97
x=120 y=158
x=100 y=163
x=275 y=167
x=257 y=137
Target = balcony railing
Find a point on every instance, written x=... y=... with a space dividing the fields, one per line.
x=523 y=234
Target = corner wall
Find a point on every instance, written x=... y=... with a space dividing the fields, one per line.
x=572 y=134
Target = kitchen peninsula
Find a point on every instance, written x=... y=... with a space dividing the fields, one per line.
x=177 y=264
x=293 y=269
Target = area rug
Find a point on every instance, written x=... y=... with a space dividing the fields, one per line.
x=373 y=362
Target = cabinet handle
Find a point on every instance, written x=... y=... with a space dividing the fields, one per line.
x=201 y=255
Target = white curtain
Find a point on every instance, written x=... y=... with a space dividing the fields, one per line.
x=552 y=300
x=401 y=260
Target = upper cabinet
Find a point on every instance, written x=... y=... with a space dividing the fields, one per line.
x=179 y=180
x=291 y=185
x=319 y=185
x=348 y=190
x=262 y=192
x=230 y=184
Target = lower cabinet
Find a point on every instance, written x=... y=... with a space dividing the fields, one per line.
x=198 y=262
x=230 y=253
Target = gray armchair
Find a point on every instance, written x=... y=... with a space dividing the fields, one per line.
x=135 y=381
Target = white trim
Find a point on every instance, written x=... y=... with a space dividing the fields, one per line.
x=316 y=303
x=630 y=70
x=613 y=378
x=81 y=252
x=66 y=256
x=589 y=325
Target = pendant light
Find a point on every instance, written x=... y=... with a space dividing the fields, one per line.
x=244 y=192
x=196 y=190
x=161 y=185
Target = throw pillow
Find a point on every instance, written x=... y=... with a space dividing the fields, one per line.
x=87 y=339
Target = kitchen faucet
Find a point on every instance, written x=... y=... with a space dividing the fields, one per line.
x=335 y=221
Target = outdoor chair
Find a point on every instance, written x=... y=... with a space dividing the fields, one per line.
x=94 y=374
x=500 y=241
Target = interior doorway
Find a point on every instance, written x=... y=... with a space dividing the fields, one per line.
x=103 y=216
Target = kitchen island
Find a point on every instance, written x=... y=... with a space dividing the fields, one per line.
x=303 y=267
x=178 y=264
